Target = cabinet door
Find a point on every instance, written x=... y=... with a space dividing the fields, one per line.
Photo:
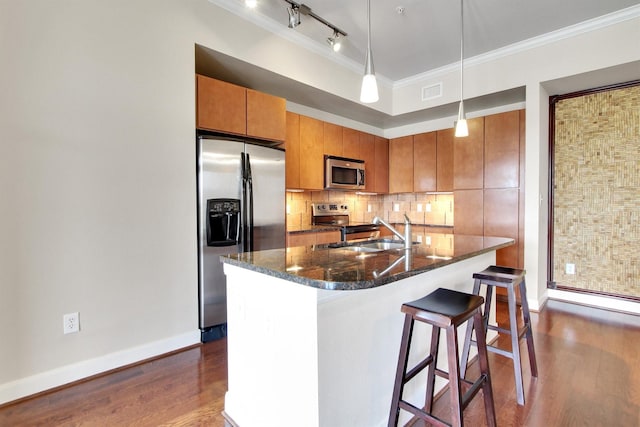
x=444 y=181
x=468 y=157
x=501 y=219
x=332 y=139
x=468 y=211
x=502 y=150
x=401 y=164
x=292 y=151
x=368 y=154
x=351 y=143
x=311 y=153
x=266 y=116
x=382 y=165
x=424 y=162
x=221 y=106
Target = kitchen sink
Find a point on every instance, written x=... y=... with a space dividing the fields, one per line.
x=375 y=245
x=362 y=249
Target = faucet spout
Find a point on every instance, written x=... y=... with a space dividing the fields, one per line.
x=406 y=238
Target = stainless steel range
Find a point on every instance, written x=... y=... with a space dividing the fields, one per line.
x=337 y=215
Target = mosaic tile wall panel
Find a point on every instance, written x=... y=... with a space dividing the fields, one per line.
x=597 y=192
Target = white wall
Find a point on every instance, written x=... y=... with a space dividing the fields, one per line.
x=97 y=168
x=97 y=173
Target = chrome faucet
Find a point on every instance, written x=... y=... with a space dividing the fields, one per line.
x=407 y=230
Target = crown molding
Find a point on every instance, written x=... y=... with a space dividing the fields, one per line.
x=594 y=24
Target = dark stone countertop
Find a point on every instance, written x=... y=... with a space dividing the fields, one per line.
x=337 y=268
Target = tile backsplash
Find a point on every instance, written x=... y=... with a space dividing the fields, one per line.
x=421 y=208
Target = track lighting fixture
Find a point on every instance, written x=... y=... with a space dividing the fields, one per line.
x=294 y=16
x=369 y=90
x=335 y=41
x=251 y=4
x=296 y=9
x=461 y=124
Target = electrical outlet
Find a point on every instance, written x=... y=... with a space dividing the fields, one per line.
x=419 y=237
x=419 y=207
x=396 y=207
x=570 y=268
x=368 y=208
x=428 y=240
x=71 y=323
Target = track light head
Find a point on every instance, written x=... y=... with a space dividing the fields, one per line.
x=335 y=41
x=294 y=16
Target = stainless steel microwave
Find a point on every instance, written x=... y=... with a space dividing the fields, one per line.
x=344 y=174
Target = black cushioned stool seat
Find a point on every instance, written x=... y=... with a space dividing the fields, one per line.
x=443 y=309
x=509 y=278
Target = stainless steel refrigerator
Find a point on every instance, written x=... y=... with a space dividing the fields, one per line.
x=241 y=208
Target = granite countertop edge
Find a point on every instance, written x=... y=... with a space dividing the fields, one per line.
x=360 y=284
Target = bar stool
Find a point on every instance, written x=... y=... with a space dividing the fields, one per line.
x=508 y=278
x=443 y=309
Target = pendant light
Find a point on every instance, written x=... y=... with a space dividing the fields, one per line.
x=369 y=90
x=461 y=124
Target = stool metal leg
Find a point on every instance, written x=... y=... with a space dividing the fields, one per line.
x=515 y=344
x=403 y=358
x=487 y=389
x=529 y=331
x=454 y=377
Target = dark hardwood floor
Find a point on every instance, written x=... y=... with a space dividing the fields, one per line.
x=588 y=361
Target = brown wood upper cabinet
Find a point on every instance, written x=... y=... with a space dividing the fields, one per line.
x=424 y=161
x=374 y=150
x=401 y=164
x=266 y=116
x=221 y=106
x=311 y=153
x=382 y=165
x=304 y=161
x=444 y=168
x=292 y=152
x=228 y=108
x=502 y=150
x=351 y=143
x=468 y=157
x=332 y=139
x=414 y=161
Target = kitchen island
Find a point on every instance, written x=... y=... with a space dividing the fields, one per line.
x=314 y=331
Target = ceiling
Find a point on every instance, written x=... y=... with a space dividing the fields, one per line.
x=408 y=38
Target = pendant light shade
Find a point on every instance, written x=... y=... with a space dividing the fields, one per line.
x=462 y=129
x=461 y=124
x=369 y=90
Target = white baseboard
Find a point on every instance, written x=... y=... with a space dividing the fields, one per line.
x=615 y=304
x=66 y=374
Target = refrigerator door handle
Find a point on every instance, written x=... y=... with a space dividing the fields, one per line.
x=250 y=205
x=245 y=201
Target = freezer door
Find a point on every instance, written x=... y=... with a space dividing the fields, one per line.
x=218 y=178
x=268 y=195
